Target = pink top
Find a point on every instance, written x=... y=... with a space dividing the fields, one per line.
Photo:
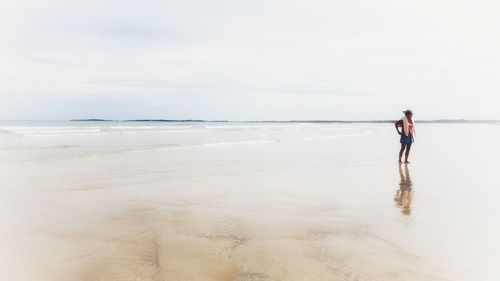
x=410 y=126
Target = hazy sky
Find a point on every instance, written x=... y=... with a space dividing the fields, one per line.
x=258 y=59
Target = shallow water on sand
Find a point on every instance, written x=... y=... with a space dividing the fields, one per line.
x=246 y=201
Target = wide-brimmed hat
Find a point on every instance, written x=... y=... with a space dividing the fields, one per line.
x=406 y=112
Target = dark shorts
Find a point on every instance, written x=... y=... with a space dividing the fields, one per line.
x=406 y=139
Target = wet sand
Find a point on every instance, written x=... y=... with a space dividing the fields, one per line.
x=313 y=208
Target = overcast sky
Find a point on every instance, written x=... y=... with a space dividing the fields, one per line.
x=242 y=60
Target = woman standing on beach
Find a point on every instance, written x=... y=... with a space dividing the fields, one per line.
x=407 y=132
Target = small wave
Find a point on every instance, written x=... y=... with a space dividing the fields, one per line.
x=251 y=127
x=239 y=142
x=82 y=131
x=6 y=132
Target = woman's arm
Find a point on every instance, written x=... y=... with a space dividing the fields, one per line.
x=398 y=124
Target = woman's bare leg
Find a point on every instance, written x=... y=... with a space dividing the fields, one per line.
x=403 y=146
x=408 y=146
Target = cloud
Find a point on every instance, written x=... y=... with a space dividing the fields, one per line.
x=249 y=59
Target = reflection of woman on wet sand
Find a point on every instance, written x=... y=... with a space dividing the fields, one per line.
x=404 y=195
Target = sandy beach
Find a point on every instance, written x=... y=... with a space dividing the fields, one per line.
x=246 y=201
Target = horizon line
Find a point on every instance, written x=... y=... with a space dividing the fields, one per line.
x=262 y=121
